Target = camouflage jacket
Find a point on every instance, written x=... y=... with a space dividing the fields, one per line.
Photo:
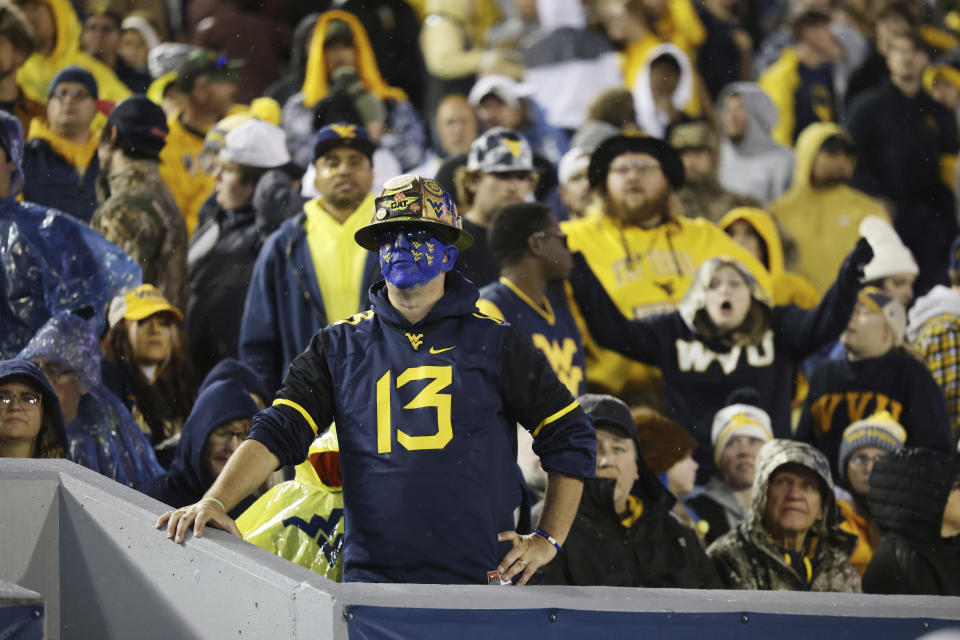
x=142 y=218
x=747 y=558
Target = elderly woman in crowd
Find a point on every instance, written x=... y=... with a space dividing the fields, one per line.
x=790 y=539
x=146 y=365
x=31 y=425
x=101 y=433
x=915 y=498
x=863 y=442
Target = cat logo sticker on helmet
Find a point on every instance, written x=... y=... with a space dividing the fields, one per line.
x=345 y=130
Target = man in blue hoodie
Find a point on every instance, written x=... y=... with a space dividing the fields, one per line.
x=220 y=420
x=429 y=468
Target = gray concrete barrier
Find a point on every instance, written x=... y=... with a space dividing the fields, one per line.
x=88 y=546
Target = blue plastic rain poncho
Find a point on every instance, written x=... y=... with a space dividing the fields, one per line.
x=49 y=262
x=104 y=436
x=189 y=478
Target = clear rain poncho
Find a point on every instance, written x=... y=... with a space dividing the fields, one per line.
x=49 y=262
x=104 y=436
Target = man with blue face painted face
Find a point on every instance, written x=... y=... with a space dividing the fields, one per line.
x=426 y=392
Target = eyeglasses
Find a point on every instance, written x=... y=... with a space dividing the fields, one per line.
x=76 y=93
x=25 y=399
x=415 y=234
x=551 y=234
x=863 y=460
x=526 y=176
x=226 y=433
x=641 y=166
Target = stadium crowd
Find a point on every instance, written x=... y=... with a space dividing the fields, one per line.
x=652 y=293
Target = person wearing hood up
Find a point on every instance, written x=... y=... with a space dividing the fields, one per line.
x=933 y=329
x=101 y=433
x=418 y=468
x=31 y=424
x=915 y=498
x=224 y=249
x=139 y=212
x=878 y=374
x=343 y=83
x=751 y=162
x=820 y=211
x=624 y=534
x=864 y=442
x=702 y=196
x=789 y=540
x=908 y=146
x=568 y=64
x=663 y=91
x=241 y=373
x=56 y=32
x=643 y=252
x=302 y=519
x=137 y=38
x=754 y=230
x=800 y=82
x=220 y=420
x=726 y=335
x=739 y=430
x=37 y=280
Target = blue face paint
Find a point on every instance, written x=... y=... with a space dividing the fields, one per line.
x=410 y=258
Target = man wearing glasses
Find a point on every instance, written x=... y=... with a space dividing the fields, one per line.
x=640 y=246
x=426 y=393
x=60 y=158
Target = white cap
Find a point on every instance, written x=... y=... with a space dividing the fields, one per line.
x=572 y=161
x=740 y=420
x=504 y=87
x=890 y=256
x=256 y=143
x=142 y=26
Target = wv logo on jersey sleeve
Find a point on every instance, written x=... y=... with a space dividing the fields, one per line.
x=560 y=356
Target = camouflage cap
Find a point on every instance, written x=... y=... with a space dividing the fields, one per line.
x=500 y=150
x=412 y=201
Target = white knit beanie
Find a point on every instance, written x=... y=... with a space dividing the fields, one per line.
x=890 y=256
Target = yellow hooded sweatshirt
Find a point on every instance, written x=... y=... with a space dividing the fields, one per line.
x=788 y=288
x=315 y=85
x=35 y=75
x=315 y=494
x=824 y=222
x=645 y=271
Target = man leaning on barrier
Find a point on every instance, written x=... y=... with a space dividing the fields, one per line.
x=425 y=392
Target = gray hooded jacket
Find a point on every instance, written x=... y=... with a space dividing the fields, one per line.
x=758 y=167
x=747 y=558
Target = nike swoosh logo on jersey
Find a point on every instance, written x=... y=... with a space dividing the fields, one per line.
x=434 y=350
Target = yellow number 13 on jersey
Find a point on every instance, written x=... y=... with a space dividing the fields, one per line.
x=440 y=378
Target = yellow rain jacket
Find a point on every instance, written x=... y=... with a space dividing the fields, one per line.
x=315 y=85
x=788 y=288
x=182 y=170
x=856 y=524
x=302 y=520
x=824 y=222
x=645 y=271
x=35 y=75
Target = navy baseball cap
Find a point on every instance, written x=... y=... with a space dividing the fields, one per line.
x=343 y=134
x=141 y=125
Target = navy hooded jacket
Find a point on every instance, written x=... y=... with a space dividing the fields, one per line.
x=426 y=418
x=51 y=404
x=187 y=480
